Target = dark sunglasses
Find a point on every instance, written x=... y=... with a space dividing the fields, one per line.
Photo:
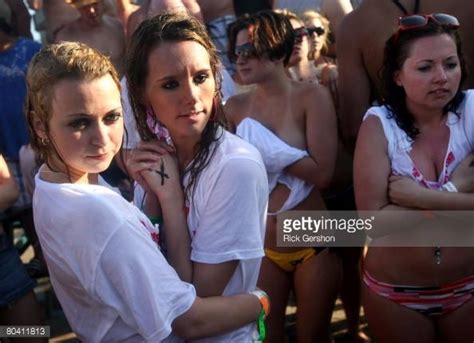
x=318 y=30
x=411 y=22
x=247 y=50
x=300 y=32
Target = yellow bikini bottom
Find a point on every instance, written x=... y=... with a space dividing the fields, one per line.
x=289 y=261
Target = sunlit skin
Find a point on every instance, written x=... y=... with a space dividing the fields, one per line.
x=86 y=127
x=430 y=75
x=180 y=88
x=251 y=70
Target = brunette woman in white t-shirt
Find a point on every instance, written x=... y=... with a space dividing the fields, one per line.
x=214 y=183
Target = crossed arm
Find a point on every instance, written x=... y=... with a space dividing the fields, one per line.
x=377 y=190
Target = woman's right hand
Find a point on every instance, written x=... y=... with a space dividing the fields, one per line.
x=463 y=175
x=147 y=156
x=163 y=177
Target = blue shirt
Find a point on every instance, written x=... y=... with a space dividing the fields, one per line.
x=13 y=66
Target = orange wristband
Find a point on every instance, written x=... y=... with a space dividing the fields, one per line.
x=264 y=300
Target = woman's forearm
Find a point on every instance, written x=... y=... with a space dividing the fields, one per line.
x=310 y=171
x=430 y=199
x=176 y=236
x=217 y=315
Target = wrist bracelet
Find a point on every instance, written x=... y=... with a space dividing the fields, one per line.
x=265 y=302
x=450 y=187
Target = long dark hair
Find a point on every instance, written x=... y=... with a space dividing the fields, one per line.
x=396 y=52
x=149 y=35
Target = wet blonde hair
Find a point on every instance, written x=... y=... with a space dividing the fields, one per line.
x=308 y=17
x=52 y=64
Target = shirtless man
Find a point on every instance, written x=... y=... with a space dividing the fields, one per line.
x=360 y=44
x=102 y=32
x=150 y=8
x=57 y=13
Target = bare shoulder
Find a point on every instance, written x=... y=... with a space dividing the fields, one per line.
x=67 y=32
x=314 y=100
x=113 y=23
x=351 y=23
x=235 y=108
x=311 y=92
x=372 y=130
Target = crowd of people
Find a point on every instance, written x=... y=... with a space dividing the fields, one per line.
x=149 y=149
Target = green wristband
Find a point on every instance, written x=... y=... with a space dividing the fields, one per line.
x=262 y=331
x=155 y=220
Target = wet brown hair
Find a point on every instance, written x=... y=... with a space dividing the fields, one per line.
x=173 y=27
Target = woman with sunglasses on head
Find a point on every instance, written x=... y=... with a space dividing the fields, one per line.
x=414 y=153
x=217 y=186
x=104 y=260
x=293 y=125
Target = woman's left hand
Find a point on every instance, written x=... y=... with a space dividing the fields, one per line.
x=403 y=191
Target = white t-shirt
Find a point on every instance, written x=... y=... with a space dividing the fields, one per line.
x=108 y=273
x=227 y=216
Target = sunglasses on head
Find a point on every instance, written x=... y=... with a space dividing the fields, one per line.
x=316 y=29
x=246 y=50
x=411 y=22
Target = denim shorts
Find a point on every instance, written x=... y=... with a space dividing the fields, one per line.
x=14 y=280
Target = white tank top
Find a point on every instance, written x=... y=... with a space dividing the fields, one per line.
x=460 y=142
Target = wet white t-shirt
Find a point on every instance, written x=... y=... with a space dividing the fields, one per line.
x=105 y=266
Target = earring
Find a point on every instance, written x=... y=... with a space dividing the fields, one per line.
x=43 y=141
